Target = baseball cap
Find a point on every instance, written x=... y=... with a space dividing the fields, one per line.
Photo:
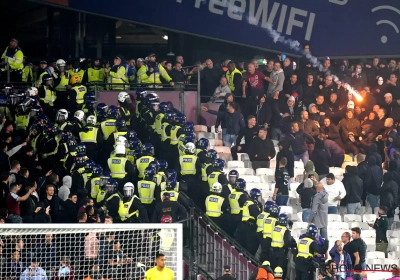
x=167 y=194
x=227 y=267
x=140 y=59
x=14 y=40
x=43 y=62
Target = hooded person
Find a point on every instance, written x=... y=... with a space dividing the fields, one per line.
x=306 y=192
x=372 y=183
x=354 y=190
x=320 y=156
x=319 y=210
x=309 y=169
x=65 y=189
x=379 y=90
x=392 y=168
x=389 y=196
x=284 y=151
x=373 y=152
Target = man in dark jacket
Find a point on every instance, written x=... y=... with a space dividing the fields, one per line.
x=297 y=140
x=261 y=150
x=308 y=126
x=389 y=196
x=354 y=190
x=334 y=151
x=395 y=175
x=306 y=192
x=70 y=209
x=284 y=151
x=372 y=183
x=248 y=132
x=349 y=126
x=234 y=122
x=381 y=225
x=221 y=111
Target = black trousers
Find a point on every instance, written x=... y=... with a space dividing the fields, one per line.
x=234 y=151
x=16 y=77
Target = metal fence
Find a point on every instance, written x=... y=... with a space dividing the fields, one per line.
x=209 y=248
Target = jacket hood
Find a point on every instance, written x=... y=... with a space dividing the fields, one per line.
x=277 y=72
x=67 y=181
x=392 y=165
x=308 y=183
x=387 y=177
x=319 y=144
x=371 y=161
x=309 y=166
x=373 y=148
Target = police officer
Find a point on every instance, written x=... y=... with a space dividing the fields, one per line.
x=62 y=152
x=27 y=74
x=201 y=149
x=131 y=210
x=88 y=106
x=281 y=242
x=146 y=157
x=124 y=104
x=104 y=178
x=269 y=226
x=170 y=208
x=117 y=74
x=76 y=95
x=92 y=138
x=121 y=168
x=14 y=57
x=167 y=123
x=233 y=175
x=47 y=95
x=189 y=169
x=172 y=187
x=140 y=97
x=183 y=140
x=218 y=176
x=76 y=69
x=234 y=78
x=278 y=273
x=171 y=175
x=108 y=126
x=159 y=118
x=163 y=239
x=96 y=75
x=158 y=177
x=306 y=248
x=133 y=150
x=246 y=234
x=101 y=110
x=175 y=132
x=93 y=185
x=62 y=85
x=149 y=73
x=23 y=116
x=148 y=114
x=48 y=148
x=67 y=161
x=78 y=122
x=121 y=130
x=112 y=200
x=147 y=190
x=77 y=173
x=261 y=219
x=237 y=199
x=62 y=122
x=206 y=169
x=217 y=207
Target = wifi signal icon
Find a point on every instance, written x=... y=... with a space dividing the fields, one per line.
x=384 y=39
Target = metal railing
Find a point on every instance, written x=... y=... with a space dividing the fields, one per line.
x=210 y=248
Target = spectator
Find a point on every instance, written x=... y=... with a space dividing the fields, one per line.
x=248 y=132
x=234 y=77
x=320 y=155
x=381 y=225
x=261 y=150
x=42 y=214
x=34 y=271
x=65 y=189
x=319 y=210
x=46 y=252
x=309 y=170
x=15 y=267
x=373 y=152
x=263 y=111
x=335 y=153
x=358 y=78
x=342 y=259
x=15 y=168
x=372 y=183
x=306 y=192
x=90 y=213
x=331 y=132
x=336 y=192
x=221 y=91
x=349 y=126
x=227 y=274
x=210 y=77
x=308 y=126
x=354 y=190
x=53 y=201
x=357 y=249
x=282 y=179
x=13 y=202
x=310 y=91
x=70 y=209
x=284 y=151
x=64 y=271
x=234 y=122
x=389 y=196
x=88 y=201
x=4 y=187
x=362 y=166
x=297 y=140
x=278 y=78
x=177 y=74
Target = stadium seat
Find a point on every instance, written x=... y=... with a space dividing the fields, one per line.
x=265 y=171
x=300 y=178
x=267 y=195
x=297 y=232
x=368 y=233
x=275 y=143
x=299 y=164
x=348 y=158
x=334 y=218
x=251 y=179
x=235 y=164
x=261 y=186
x=348 y=163
x=243 y=156
x=369 y=240
x=200 y=128
x=215 y=142
x=361 y=225
x=213 y=129
x=374 y=260
x=338 y=225
x=375 y=255
x=294 y=186
x=293 y=194
x=287 y=210
x=298 y=171
x=334 y=234
x=272 y=163
x=299 y=225
x=337 y=171
x=352 y=218
x=223 y=149
x=369 y=218
x=394 y=255
x=299 y=216
x=393 y=243
x=267 y=178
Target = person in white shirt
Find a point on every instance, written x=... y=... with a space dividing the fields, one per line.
x=221 y=91
x=336 y=192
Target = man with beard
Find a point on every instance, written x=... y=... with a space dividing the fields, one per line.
x=14 y=57
x=96 y=74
